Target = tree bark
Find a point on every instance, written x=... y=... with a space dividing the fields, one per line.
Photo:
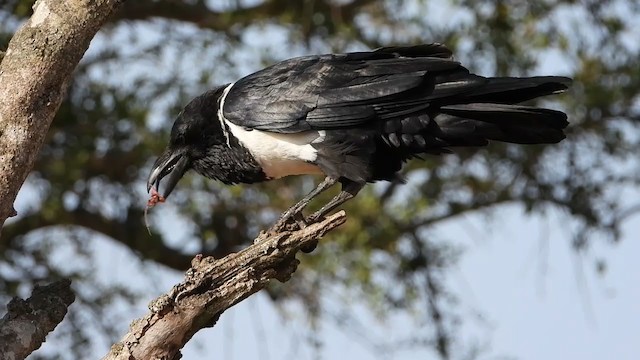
x=34 y=74
x=211 y=286
x=27 y=322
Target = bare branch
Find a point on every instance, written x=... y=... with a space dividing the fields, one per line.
x=34 y=74
x=27 y=322
x=212 y=286
x=200 y=14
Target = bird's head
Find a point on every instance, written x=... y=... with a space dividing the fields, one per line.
x=195 y=130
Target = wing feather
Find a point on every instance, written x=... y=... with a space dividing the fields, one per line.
x=334 y=91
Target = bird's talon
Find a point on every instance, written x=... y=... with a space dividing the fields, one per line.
x=289 y=220
x=284 y=218
x=300 y=220
x=314 y=218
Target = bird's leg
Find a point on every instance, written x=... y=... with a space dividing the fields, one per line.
x=297 y=208
x=349 y=190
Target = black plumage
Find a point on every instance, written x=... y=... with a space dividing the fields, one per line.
x=354 y=117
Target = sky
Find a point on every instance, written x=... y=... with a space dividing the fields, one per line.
x=545 y=301
x=524 y=294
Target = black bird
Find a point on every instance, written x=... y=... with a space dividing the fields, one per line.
x=354 y=117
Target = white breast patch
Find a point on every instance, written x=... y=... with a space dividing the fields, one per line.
x=280 y=155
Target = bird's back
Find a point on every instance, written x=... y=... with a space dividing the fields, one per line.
x=377 y=109
x=355 y=117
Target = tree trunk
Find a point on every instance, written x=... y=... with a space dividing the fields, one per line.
x=34 y=74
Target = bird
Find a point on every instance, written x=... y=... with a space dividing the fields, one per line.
x=354 y=117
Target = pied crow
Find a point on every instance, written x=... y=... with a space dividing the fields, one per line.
x=354 y=117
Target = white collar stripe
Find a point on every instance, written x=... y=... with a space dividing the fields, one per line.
x=221 y=118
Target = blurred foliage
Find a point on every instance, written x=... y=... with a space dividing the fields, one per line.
x=157 y=54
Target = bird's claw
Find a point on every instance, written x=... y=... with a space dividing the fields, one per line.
x=300 y=220
x=293 y=220
x=314 y=218
x=286 y=221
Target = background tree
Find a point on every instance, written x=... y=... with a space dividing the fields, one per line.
x=88 y=184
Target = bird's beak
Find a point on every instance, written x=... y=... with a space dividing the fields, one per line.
x=172 y=165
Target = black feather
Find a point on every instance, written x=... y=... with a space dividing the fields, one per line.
x=376 y=109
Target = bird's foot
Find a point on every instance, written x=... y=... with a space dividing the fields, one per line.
x=300 y=220
x=303 y=223
x=290 y=220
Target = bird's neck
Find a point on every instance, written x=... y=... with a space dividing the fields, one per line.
x=230 y=165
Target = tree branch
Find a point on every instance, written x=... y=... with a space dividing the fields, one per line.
x=131 y=232
x=212 y=286
x=34 y=74
x=27 y=322
x=201 y=15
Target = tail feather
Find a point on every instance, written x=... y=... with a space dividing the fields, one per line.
x=468 y=123
x=490 y=112
x=513 y=90
x=456 y=108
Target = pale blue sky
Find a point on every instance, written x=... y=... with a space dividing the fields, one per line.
x=524 y=294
